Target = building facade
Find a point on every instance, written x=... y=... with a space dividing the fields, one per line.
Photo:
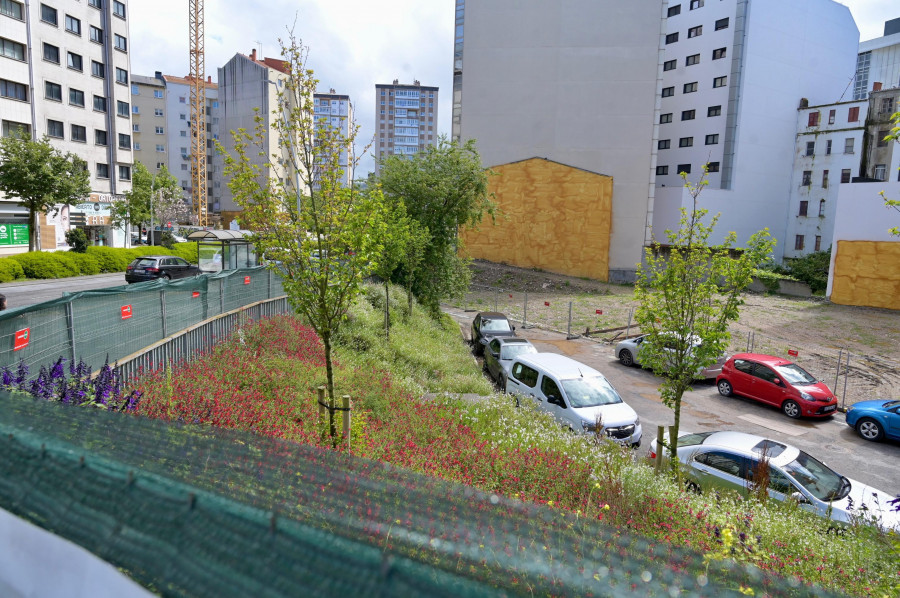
x=148 y=121
x=64 y=73
x=878 y=62
x=407 y=117
x=333 y=111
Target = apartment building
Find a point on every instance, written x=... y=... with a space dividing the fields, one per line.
x=335 y=112
x=878 y=61
x=148 y=121
x=732 y=77
x=881 y=156
x=407 y=116
x=64 y=73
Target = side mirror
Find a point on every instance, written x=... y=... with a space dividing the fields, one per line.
x=777 y=381
x=553 y=399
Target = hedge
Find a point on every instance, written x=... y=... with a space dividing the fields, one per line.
x=10 y=270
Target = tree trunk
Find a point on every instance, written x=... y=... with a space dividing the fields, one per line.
x=32 y=229
x=673 y=441
x=329 y=368
x=387 y=310
x=409 y=301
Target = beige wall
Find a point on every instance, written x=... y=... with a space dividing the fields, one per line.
x=867 y=273
x=555 y=217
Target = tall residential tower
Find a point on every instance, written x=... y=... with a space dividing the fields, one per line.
x=407 y=116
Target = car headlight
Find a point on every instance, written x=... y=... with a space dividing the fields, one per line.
x=637 y=422
x=807 y=396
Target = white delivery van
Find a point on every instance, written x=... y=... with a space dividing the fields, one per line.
x=577 y=395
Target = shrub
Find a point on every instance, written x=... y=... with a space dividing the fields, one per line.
x=812 y=269
x=38 y=264
x=87 y=264
x=111 y=259
x=10 y=270
x=77 y=239
x=167 y=240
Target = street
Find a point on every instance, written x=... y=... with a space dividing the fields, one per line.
x=29 y=292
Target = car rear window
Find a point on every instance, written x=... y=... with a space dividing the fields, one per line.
x=694 y=439
x=495 y=325
x=769 y=448
x=511 y=351
x=145 y=262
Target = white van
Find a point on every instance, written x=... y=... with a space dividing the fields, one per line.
x=575 y=394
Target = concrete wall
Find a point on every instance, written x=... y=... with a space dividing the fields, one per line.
x=555 y=217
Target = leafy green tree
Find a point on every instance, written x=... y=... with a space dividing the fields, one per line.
x=76 y=239
x=160 y=192
x=40 y=177
x=687 y=297
x=444 y=188
x=321 y=235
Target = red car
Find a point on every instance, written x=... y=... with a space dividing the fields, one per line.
x=778 y=382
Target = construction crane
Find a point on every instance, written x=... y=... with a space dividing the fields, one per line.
x=198 y=114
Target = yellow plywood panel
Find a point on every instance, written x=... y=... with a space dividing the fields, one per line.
x=554 y=217
x=867 y=273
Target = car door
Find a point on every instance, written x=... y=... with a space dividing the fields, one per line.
x=764 y=387
x=522 y=382
x=178 y=267
x=892 y=422
x=719 y=470
x=492 y=359
x=553 y=401
x=742 y=377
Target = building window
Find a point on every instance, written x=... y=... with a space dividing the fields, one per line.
x=184 y=133
x=73 y=25
x=74 y=61
x=831 y=115
x=810 y=148
x=686 y=142
x=99 y=137
x=813 y=119
x=804 y=208
x=714 y=111
x=692 y=60
x=848 y=145
x=118 y=9
x=719 y=53
x=845 y=175
x=688 y=114
x=668 y=92
x=13 y=90
x=712 y=139
x=122 y=108
x=182 y=116
x=135 y=128
x=96 y=3
x=670 y=65
x=121 y=76
x=720 y=82
x=662 y=170
x=665 y=118
x=712 y=167
x=48 y=15
x=160 y=148
x=690 y=87
x=883 y=137
x=121 y=43
x=13 y=9
x=818 y=243
x=55 y=129
x=12 y=49
x=51 y=53
x=880 y=172
x=695 y=4
x=821 y=209
x=722 y=24
x=695 y=31
x=807 y=178
x=158 y=94
x=12 y=128
x=828 y=147
x=684 y=168
x=853 y=114
x=157 y=112
x=184 y=167
x=124 y=141
x=124 y=172
x=824 y=180
x=79 y=133
x=663 y=144
x=53 y=91
x=672 y=38
x=98 y=69
x=99 y=103
x=102 y=171
x=887 y=106
x=798 y=242
x=674 y=10
x=181 y=99
x=159 y=131
x=76 y=97
x=96 y=34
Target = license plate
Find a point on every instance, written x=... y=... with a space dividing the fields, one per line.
x=139 y=271
x=829 y=408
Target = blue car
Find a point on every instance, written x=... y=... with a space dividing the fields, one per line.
x=875 y=420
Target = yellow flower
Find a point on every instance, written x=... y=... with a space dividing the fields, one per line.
x=747 y=591
x=550 y=503
x=605 y=507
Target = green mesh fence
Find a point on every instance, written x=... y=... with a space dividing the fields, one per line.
x=118 y=321
x=199 y=511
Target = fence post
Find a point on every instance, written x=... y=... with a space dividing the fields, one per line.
x=331 y=427
x=628 y=326
x=346 y=406
x=846 y=375
x=269 y=288
x=496 y=299
x=837 y=374
x=70 y=324
x=221 y=295
x=162 y=307
x=525 y=312
x=660 y=430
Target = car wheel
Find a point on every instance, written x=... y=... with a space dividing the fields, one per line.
x=791 y=409
x=725 y=388
x=626 y=358
x=166 y=275
x=503 y=385
x=869 y=429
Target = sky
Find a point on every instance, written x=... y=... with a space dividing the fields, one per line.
x=353 y=44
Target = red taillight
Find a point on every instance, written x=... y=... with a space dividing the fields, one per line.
x=151 y=269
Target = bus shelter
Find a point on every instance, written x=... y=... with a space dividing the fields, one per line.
x=219 y=250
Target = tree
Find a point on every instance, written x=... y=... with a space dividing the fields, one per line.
x=41 y=178
x=893 y=203
x=687 y=297
x=444 y=188
x=161 y=192
x=321 y=235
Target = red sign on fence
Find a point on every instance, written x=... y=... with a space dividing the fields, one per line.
x=510 y=296
x=793 y=353
x=246 y=280
x=21 y=339
x=599 y=312
x=126 y=312
x=547 y=303
x=195 y=294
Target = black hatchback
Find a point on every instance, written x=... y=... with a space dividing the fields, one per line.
x=486 y=326
x=151 y=267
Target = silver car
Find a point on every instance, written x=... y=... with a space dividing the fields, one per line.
x=732 y=460
x=499 y=355
x=628 y=353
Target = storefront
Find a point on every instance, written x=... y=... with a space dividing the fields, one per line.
x=13 y=228
x=93 y=216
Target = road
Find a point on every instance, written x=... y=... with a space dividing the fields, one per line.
x=30 y=292
x=703 y=408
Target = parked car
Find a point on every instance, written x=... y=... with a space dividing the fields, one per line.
x=576 y=395
x=628 y=352
x=501 y=351
x=875 y=420
x=151 y=267
x=487 y=325
x=778 y=382
x=732 y=460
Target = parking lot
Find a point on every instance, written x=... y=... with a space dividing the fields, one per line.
x=703 y=409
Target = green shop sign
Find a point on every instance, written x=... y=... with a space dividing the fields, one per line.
x=13 y=234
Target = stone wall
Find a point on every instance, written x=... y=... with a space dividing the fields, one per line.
x=867 y=273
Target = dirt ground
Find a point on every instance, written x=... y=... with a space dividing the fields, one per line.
x=819 y=331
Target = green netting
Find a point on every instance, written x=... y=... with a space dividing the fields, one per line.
x=273 y=518
x=91 y=325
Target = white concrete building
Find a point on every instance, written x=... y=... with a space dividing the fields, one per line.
x=733 y=75
x=334 y=111
x=407 y=116
x=878 y=62
x=64 y=73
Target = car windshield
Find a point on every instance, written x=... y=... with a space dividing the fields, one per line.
x=495 y=325
x=590 y=392
x=891 y=404
x=817 y=478
x=512 y=351
x=693 y=439
x=795 y=374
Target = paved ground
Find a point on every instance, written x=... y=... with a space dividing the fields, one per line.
x=830 y=440
x=29 y=292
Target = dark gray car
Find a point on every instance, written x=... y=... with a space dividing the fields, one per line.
x=501 y=351
x=487 y=325
x=151 y=267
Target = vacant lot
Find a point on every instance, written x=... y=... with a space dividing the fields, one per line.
x=818 y=330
